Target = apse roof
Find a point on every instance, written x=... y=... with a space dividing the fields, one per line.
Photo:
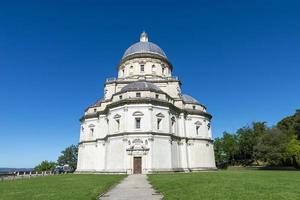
x=141 y=85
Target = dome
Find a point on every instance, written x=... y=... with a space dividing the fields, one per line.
x=144 y=47
x=141 y=86
x=188 y=99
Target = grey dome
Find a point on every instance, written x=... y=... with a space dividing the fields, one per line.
x=188 y=99
x=144 y=47
x=141 y=86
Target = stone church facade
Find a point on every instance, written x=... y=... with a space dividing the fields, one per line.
x=144 y=123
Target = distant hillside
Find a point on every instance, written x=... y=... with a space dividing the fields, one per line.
x=8 y=170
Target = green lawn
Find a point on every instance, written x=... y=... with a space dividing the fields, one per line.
x=61 y=187
x=229 y=185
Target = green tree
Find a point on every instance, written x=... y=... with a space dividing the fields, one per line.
x=221 y=157
x=297 y=124
x=230 y=146
x=259 y=128
x=293 y=150
x=45 y=166
x=287 y=125
x=272 y=147
x=246 y=142
x=69 y=156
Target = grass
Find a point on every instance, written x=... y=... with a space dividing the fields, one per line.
x=61 y=187
x=229 y=185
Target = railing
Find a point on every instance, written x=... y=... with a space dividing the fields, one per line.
x=23 y=175
x=112 y=79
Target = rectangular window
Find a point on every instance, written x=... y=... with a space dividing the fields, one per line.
x=138 y=94
x=158 y=123
x=194 y=107
x=142 y=68
x=118 y=124
x=95 y=110
x=156 y=96
x=120 y=97
x=197 y=130
x=137 y=123
x=92 y=131
x=153 y=69
x=173 y=125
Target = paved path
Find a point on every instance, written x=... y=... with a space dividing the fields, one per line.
x=132 y=187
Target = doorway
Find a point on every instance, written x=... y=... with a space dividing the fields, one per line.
x=137 y=165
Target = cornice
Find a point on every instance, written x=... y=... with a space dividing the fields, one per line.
x=173 y=137
x=147 y=101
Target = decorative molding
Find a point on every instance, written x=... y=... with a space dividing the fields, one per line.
x=91 y=125
x=152 y=135
x=160 y=115
x=137 y=113
x=198 y=123
x=137 y=141
x=117 y=116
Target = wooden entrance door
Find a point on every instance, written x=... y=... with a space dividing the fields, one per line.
x=137 y=165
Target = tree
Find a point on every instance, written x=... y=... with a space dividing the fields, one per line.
x=222 y=158
x=287 y=125
x=293 y=150
x=259 y=128
x=246 y=142
x=69 y=156
x=297 y=124
x=230 y=146
x=45 y=166
x=272 y=147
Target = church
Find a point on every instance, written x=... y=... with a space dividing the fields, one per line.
x=144 y=123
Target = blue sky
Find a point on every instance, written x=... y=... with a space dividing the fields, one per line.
x=239 y=58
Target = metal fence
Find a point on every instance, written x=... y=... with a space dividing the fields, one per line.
x=24 y=175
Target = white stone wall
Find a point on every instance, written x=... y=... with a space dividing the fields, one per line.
x=151 y=66
x=109 y=138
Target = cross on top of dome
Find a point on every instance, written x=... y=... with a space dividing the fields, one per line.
x=144 y=46
x=144 y=37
